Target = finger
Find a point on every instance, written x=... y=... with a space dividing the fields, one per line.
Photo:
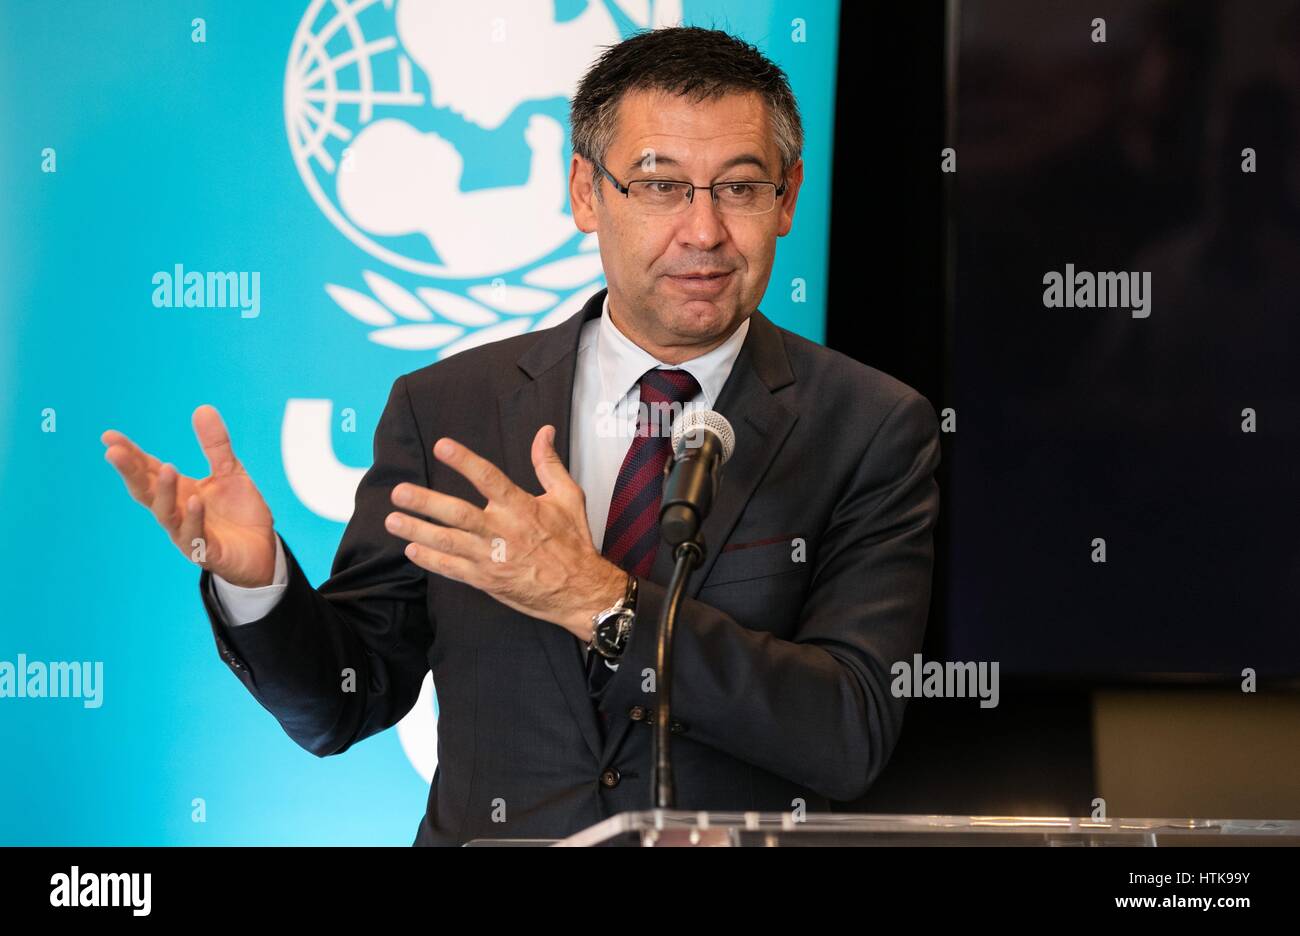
x=111 y=437
x=487 y=478
x=547 y=463
x=214 y=440
x=135 y=477
x=192 y=529
x=441 y=538
x=441 y=563
x=136 y=466
x=164 y=500
x=445 y=509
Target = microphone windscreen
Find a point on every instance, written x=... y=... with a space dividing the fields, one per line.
x=691 y=422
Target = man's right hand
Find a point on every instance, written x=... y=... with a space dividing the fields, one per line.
x=224 y=511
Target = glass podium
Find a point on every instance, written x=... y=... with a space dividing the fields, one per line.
x=692 y=829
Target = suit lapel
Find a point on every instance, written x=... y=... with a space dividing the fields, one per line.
x=761 y=425
x=547 y=398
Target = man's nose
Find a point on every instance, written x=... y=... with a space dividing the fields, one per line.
x=701 y=224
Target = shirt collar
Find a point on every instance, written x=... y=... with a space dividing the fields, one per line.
x=622 y=361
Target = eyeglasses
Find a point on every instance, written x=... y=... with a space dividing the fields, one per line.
x=667 y=197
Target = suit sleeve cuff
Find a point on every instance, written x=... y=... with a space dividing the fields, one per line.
x=245 y=605
x=623 y=690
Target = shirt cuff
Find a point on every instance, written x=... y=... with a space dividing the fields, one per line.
x=245 y=605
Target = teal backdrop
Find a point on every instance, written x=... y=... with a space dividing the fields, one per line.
x=130 y=147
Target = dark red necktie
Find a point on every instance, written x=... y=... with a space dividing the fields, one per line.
x=632 y=529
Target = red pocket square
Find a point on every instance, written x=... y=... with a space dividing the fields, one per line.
x=763 y=542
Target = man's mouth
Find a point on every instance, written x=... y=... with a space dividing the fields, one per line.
x=702 y=285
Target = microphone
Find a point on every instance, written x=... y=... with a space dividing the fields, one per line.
x=702 y=442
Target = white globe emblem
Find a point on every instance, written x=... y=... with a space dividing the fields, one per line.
x=431 y=134
x=402 y=115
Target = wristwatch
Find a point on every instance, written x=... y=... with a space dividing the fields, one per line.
x=612 y=628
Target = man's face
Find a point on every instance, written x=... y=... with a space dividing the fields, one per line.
x=647 y=258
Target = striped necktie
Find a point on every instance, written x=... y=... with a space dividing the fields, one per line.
x=632 y=528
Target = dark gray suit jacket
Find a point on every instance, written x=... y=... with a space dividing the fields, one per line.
x=820 y=549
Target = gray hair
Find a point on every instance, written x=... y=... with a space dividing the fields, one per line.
x=689 y=61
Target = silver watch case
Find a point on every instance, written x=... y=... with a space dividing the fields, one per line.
x=610 y=631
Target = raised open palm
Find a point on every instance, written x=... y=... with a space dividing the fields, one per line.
x=224 y=512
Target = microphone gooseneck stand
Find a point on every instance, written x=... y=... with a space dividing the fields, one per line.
x=689 y=555
x=690 y=485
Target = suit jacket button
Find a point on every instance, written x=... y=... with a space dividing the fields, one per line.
x=677 y=727
x=610 y=777
x=636 y=713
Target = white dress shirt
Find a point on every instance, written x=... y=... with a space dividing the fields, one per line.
x=606 y=392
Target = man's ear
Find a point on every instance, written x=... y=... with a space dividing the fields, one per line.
x=793 y=182
x=583 y=194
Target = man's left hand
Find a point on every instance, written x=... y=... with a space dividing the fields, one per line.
x=532 y=554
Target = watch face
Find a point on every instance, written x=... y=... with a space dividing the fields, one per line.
x=611 y=632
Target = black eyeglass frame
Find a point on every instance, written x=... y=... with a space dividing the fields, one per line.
x=626 y=190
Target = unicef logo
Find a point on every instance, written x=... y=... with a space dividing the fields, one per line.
x=431 y=134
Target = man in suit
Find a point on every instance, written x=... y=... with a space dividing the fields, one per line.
x=513 y=506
